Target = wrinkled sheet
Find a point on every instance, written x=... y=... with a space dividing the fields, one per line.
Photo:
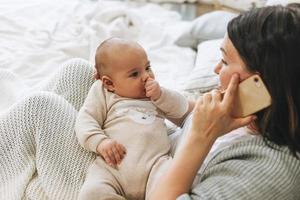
x=37 y=36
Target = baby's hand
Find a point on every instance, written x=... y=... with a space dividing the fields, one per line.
x=111 y=151
x=152 y=88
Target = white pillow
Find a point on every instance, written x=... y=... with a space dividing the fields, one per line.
x=173 y=1
x=209 y=26
x=281 y=2
x=203 y=78
x=243 y=4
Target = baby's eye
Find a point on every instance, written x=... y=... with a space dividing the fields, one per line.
x=148 y=68
x=134 y=74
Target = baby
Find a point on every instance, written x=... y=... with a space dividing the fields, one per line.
x=122 y=121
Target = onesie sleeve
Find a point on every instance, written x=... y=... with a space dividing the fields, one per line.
x=172 y=103
x=89 y=122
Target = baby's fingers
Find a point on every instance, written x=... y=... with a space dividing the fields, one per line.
x=149 y=93
x=107 y=159
x=150 y=85
x=120 y=157
x=112 y=158
x=117 y=155
x=121 y=150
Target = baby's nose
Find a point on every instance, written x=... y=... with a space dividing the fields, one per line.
x=145 y=77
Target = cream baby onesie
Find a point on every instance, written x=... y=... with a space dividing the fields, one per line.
x=139 y=125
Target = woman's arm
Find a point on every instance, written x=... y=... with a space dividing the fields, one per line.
x=183 y=169
x=211 y=119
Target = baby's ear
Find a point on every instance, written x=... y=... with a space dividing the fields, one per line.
x=108 y=83
x=96 y=75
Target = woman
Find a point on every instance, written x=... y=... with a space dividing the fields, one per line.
x=41 y=159
x=263 y=41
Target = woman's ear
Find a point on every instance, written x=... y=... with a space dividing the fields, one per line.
x=108 y=83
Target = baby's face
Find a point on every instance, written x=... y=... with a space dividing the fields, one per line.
x=130 y=70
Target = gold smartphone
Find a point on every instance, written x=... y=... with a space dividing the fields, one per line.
x=252 y=96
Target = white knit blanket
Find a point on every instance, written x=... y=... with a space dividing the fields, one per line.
x=40 y=156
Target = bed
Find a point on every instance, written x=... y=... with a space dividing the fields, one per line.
x=36 y=37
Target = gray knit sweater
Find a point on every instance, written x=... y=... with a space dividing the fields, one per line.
x=249 y=169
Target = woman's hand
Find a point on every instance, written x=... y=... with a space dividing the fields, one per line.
x=212 y=113
x=211 y=119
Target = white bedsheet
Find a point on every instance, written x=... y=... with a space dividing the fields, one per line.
x=36 y=36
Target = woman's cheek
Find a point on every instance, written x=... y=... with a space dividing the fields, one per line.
x=223 y=80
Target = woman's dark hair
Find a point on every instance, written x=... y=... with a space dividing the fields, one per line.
x=268 y=41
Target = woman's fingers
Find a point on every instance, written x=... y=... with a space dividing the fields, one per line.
x=207 y=97
x=231 y=91
x=216 y=95
x=212 y=115
x=198 y=103
x=239 y=122
x=213 y=96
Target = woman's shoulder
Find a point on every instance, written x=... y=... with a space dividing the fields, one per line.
x=257 y=147
x=250 y=169
x=260 y=150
